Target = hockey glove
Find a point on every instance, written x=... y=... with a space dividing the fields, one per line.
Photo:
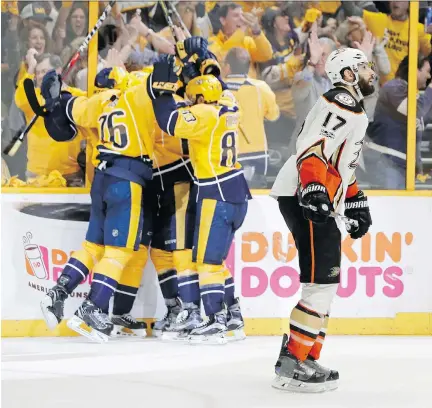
x=164 y=79
x=316 y=203
x=357 y=208
x=103 y=79
x=51 y=89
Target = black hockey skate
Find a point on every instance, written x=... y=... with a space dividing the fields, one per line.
x=235 y=323
x=174 y=307
x=294 y=375
x=99 y=326
x=126 y=325
x=52 y=304
x=188 y=319
x=331 y=376
x=212 y=331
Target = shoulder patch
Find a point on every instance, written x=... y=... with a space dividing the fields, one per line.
x=345 y=99
x=188 y=116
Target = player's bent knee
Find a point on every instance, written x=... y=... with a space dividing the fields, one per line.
x=182 y=260
x=133 y=271
x=318 y=297
x=210 y=274
x=90 y=254
x=162 y=260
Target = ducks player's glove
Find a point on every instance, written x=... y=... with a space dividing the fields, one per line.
x=357 y=208
x=316 y=203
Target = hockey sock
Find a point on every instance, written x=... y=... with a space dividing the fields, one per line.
x=127 y=288
x=167 y=274
x=106 y=275
x=229 y=288
x=80 y=264
x=212 y=287
x=305 y=325
x=188 y=282
x=316 y=349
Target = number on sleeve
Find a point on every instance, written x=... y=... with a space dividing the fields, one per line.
x=228 y=150
x=117 y=134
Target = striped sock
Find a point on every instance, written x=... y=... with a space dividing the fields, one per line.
x=317 y=347
x=101 y=291
x=124 y=298
x=76 y=271
x=305 y=325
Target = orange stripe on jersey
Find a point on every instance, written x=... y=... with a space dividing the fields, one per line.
x=312 y=164
x=312 y=252
x=352 y=189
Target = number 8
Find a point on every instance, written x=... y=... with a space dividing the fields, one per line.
x=229 y=150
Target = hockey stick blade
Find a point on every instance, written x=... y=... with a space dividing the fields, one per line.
x=30 y=92
x=16 y=142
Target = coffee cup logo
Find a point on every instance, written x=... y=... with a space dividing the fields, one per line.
x=34 y=258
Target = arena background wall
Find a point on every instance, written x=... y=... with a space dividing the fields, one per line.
x=386 y=285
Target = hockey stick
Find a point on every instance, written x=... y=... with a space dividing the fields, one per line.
x=168 y=19
x=349 y=222
x=183 y=25
x=15 y=144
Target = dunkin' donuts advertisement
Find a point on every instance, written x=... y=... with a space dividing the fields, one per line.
x=386 y=272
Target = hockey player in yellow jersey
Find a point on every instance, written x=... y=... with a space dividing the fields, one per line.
x=125 y=123
x=211 y=127
x=257 y=103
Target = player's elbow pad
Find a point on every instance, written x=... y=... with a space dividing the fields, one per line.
x=165 y=111
x=57 y=123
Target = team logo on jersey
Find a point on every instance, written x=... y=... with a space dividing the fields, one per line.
x=345 y=99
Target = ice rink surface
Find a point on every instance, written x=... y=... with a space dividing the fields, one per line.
x=376 y=372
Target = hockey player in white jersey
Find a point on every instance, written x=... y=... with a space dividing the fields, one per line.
x=316 y=181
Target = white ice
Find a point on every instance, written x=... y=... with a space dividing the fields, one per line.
x=375 y=372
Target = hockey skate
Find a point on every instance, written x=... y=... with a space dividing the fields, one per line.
x=235 y=323
x=161 y=326
x=331 y=376
x=126 y=325
x=91 y=322
x=52 y=305
x=211 y=331
x=188 y=319
x=294 y=375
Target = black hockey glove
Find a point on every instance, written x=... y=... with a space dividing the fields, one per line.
x=103 y=80
x=316 y=203
x=164 y=79
x=51 y=89
x=357 y=208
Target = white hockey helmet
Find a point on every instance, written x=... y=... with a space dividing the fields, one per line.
x=341 y=59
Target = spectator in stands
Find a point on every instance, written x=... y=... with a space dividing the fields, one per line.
x=353 y=33
x=10 y=51
x=397 y=26
x=235 y=27
x=312 y=81
x=257 y=103
x=35 y=40
x=44 y=154
x=36 y=13
x=279 y=73
x=386 y=156
x=70 y=25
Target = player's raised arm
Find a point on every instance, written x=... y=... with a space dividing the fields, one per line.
x=67 y=112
